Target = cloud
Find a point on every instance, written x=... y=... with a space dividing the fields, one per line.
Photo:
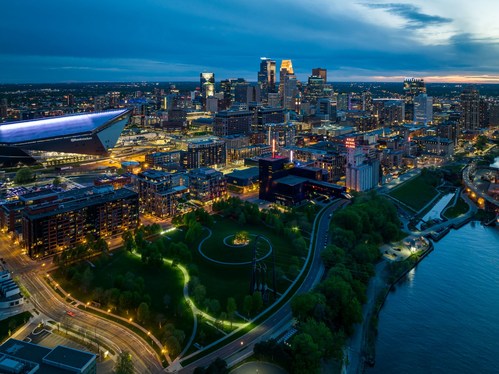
x=411 y=14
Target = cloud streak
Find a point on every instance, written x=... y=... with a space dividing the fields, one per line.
x=163 y=40
x=411 y=14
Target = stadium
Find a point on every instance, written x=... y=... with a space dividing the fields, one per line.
x=26 y=142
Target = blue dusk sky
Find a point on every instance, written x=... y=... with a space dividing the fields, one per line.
x=174 y=40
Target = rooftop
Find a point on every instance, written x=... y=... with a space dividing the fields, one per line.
x=68 y=358
x=22 y=131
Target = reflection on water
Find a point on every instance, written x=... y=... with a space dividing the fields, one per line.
x=443 y=318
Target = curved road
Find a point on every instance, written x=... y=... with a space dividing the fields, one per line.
x=283 y=316
x=50 y=304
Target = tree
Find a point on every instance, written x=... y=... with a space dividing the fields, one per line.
x=24 y=175
x=321 y=335
x=199 y=293
x=129 y=241
x=231 y=309
x=214 y=307
x=86 y=279
x=143 y=312
x=124 y=364
x=306 y=354
x=247 y=304
x=257 y=301
x=194 y=232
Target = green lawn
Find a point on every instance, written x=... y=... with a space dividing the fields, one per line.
x=416 y=193
x=215 y=248
x=460 y=208
x=222 y=281
x=11 y=324
x=157 y=283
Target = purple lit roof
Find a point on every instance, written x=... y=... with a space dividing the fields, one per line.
x=17 y=132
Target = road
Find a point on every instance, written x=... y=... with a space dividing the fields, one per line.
x=283 y=315
x=50 y=304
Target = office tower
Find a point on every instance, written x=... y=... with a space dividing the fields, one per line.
x=484 y=113
x=413 y=87
x=470 y=106
x=367 y=101
x=287 y=84
x=232 y=122
x=280 y=134
x=265 y=115
x=315 y=88
x=201 y=153
x=423 y=109
x=207 y=84
x=320 y=72
x=207 y=184
x=266 y=76
x=343 y=102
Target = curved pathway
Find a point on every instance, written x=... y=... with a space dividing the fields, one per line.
x=206 y=257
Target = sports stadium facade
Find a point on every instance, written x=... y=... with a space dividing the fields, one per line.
x=87 y=134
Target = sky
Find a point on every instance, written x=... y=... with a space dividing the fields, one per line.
x=174 y=40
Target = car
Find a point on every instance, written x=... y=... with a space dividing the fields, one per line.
x=70 y=313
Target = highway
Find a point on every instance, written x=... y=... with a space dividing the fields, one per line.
x=283 y=315
x=53 y=307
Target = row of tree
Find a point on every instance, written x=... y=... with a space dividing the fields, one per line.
x=328 y=314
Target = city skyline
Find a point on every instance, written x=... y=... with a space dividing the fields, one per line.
x=159 y=41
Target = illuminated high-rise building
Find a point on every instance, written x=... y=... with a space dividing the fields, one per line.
x=207 y=83
x=423 y=109
x=413 y=87
x=320 y=72
x=266 y=76
x=470 y=106
x=287 y=84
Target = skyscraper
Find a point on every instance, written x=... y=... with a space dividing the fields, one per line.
x=423 y=109
x=266 y=76
x=320 y=72
x=287 y=84
x=412 y=88
x=470 y=106
x=207 y=83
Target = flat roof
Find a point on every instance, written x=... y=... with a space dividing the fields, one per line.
x=69 y=357
x=251 y=172
x=22 y=131
x=24 y=350
x=292 y=180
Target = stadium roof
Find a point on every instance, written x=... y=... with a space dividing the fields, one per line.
x=23 y=131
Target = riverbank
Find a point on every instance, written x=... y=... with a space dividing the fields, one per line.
x=388 y=274
x=440 y=317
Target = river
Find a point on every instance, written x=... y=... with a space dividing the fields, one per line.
x=444 y=317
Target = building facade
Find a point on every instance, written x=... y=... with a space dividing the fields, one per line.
x=207 y=185
x=50 y=228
